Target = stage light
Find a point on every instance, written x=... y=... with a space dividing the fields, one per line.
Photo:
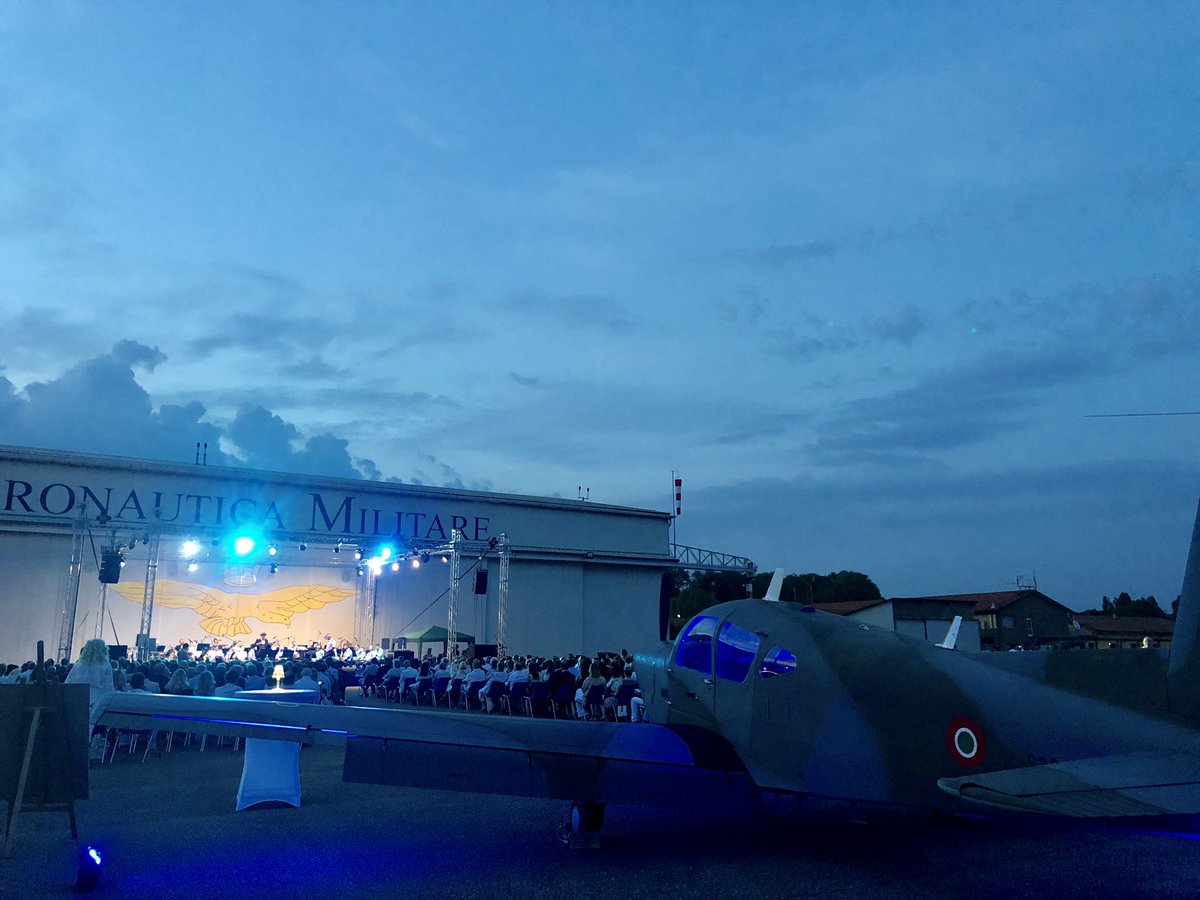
x=274 y=568
x=445 y=558
x=243 y=545
x=424 y=556
x=303 y=546
x=395 y=567
x=132 y=543
x=272 y=550
x=337 y=548
x=192 y=567
x=190 y=547
x=88 y=873
x=416 y=563
x=359 y=553
x=385 y=552
x=358 y=570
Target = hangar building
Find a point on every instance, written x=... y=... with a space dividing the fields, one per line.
x=562 y=575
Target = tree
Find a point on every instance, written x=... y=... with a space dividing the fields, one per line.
x=1125 y=605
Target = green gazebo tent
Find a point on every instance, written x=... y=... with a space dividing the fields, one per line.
x=436 y=634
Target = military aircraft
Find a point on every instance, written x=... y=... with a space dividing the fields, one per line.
x=761 y=696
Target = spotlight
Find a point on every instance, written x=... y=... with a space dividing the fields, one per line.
x=424 y=556
x=303 y=546
x=385 y=552
x=132 y=543
x=244 y=540
x=89 y=870
x=445 y=558
x=493 y=543
x=395 y=567
x=358 y=570
x=192 y=567
x=416 y=563
x=337 y=548
x=274 y=568
x=359 y=553
x=190 y=547
x=272 y=550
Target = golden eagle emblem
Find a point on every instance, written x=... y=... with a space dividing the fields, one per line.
x=225 y=614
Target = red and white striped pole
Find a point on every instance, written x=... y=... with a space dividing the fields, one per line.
x=677 y=491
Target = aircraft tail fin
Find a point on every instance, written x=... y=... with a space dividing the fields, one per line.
x=776 y=586
x=952 y=634
x=1183 y=671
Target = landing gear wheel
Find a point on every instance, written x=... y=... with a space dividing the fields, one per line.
x=584 y=824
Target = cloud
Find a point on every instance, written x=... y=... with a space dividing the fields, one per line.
x=950 y=409
x=748 y=307
x=1146 y=316
x=899 y=325
x=97 y=406
x=801 y=348
x=131 y=353
x=1082 y=529
x=779 y=256
x=314 y=368
x=574 y=310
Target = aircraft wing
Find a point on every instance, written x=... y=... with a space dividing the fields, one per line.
x=601 y=762
x=1151 y=783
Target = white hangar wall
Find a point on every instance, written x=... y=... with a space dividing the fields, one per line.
x=582 y=576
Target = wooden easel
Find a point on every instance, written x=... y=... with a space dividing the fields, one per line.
x=52 y=748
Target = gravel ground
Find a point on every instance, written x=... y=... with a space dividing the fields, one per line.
x=168 y=829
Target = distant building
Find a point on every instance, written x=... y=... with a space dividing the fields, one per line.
x=996 y=620
x=1110 y=632
x=1025 y=618
x=927 y=618
x=97 y=545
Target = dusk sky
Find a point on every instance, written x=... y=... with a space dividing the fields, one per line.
x=859 y=272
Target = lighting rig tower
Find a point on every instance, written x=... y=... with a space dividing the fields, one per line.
x=456 y=546
x=70 y=594
x=143 y=639
x=502 y=602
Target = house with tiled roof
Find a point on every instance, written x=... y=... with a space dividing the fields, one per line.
x=927 y=618
x=1024 y=618
x=1111 y=632
x=993 y=620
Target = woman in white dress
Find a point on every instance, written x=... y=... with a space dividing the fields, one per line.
x=93 y=669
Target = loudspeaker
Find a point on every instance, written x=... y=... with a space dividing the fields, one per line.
x=117 y=651
x=110 y=566
x=481 y=581
x=385 y=643
x=484 y=650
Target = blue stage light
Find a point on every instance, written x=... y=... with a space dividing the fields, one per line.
x=89 y=870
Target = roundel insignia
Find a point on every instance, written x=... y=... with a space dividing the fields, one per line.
x=965 y=740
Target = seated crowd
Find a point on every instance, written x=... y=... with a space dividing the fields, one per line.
x=604 y=686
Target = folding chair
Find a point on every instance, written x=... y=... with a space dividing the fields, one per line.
x=441 y=688
x=535 y=700
x=593 y=702
x=470 y=697
x=391 y=687
x=621 y=709
x=410 y=687
x=564 y=701
x=515 y=698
